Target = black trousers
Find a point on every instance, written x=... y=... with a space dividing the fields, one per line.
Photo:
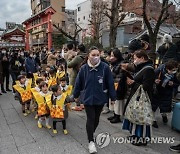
x=93 y=114
x=5 y=76
x=63 y=123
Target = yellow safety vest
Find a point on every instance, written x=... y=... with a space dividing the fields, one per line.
x=60 y=74
x=52 y=81
x=42 y=103
x=35 y=75
x=25 y=93
x=57 y=111
x=69 y=90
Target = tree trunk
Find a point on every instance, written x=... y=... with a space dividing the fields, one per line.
x=112 y=36
x=152 y=54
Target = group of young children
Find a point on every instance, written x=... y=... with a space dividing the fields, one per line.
x=48 y=93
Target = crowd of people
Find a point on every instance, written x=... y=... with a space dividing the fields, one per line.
x=99 y=82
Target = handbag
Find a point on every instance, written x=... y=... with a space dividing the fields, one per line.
x=139 y=110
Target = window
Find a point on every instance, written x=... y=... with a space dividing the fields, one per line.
x=38 y=2
x=84 y=17
x=79 y=8
x=132 y=15
x=63 y=9
x=78 y=19
x=63 y=23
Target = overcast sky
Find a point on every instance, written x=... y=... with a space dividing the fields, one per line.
x=19 y=10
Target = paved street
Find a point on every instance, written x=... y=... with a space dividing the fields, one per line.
x=20 y=135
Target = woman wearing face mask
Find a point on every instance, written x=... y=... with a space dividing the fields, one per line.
x=165 y=82
x=144 y=75
x=95 y=83
x=115 y=60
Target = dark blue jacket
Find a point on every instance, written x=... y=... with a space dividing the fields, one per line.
x=95 y=86
x=30 y=65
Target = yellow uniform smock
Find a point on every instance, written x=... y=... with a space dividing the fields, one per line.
x=42 y=101
x=57 y=108
x=67 y=89
x=59 y=75
x=24 y=91
x=52 y=81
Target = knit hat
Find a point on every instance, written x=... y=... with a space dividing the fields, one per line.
x=135 y=45
x=167 y=38
x=145 y=38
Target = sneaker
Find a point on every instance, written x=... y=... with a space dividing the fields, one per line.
x=105 y=111
x=65 y=131
x=48 y=126
x=115 y=120
x=3 y=91
x=155 y=125
x=25 y=114
x=92 y=147
x=28 y=111
x=8 y=90
x=175 y=148
x=111 y=118
x=36 y=117
x=165 y=119
x=77 y=108
x=55 y=131
x=39 y=125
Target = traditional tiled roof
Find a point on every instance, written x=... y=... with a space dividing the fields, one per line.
x=164 y=29
x=41 y=12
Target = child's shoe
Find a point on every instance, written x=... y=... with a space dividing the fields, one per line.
x=25 y=114
x=65 y=131
x=48 y=126
x=39 y=125
x=36 y=117
x=28 y=111
x=55 y=131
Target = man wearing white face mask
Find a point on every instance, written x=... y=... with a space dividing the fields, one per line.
x=95 y=84
x=165 y=82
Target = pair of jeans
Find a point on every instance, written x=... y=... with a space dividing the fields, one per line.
x=93 y=113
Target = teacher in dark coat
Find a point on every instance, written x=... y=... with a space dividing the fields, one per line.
x=96 y=85
x=145 y=76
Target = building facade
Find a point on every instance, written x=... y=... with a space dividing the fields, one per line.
x=84 y=15
x=39 y=27
x=153 y=8
x=71 y=20
x=13 y=36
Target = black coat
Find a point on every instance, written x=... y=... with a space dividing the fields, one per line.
x=145 y=78
x=122 y=88
x=168 y=53
x=163 y=97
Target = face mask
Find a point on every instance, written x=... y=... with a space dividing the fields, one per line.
x=22 y=54
x=136 y=62
x=95 y=60
x=4 y=52
x=31 y=55
x=174 y=72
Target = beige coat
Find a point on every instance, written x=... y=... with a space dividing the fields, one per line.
x=51 y=60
